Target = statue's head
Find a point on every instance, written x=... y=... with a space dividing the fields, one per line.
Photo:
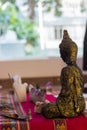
x=68 y=49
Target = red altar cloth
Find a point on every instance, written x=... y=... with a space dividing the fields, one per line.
x=38 y=122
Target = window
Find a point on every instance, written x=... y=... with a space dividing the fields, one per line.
x=71 y=16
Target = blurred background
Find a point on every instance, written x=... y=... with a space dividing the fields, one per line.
x=34 y=28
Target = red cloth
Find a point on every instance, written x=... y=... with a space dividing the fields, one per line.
x=38 y=122
x=77 y=123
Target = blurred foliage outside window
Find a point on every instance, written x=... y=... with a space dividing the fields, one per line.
x=12 y=19
x=28 y=27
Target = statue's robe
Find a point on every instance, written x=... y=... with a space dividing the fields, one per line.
x=70 y=102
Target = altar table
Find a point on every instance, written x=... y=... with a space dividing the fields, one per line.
x=38 y=122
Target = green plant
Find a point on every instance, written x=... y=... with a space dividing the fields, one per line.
x=24 y=28
x=51 y=5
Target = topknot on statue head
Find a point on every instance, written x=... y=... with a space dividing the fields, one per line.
x=68 y=48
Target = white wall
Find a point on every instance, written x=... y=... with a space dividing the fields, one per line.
x=33 y=67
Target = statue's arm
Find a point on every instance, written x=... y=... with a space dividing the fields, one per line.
x=66 y=81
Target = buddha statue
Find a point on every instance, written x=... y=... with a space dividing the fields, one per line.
x=70 y=102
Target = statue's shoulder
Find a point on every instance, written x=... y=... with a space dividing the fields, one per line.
x=67 y=70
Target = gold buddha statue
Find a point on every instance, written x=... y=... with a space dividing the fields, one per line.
x=70 y=102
